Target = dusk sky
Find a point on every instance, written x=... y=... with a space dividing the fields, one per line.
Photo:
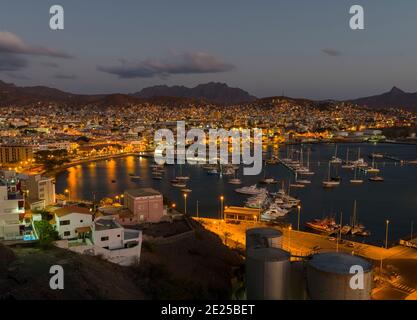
x=301 y=48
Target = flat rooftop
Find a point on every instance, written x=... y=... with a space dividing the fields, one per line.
x=142 y=192
x=106 y=224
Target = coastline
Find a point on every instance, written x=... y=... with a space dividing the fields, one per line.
x=53 y=172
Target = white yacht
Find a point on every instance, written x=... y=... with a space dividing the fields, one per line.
x=330 y=183
x=250 y=190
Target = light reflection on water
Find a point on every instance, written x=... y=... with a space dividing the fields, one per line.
x=394 y=199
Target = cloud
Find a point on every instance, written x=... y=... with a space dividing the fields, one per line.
x=332 y=52
x=50 y=64
x=63 y=76
x=17 y=76
x=182 y=63
x=11 y=62
x=12 y=44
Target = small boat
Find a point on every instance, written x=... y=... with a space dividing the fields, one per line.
x=376 y=179
x=297 y=185
x=186 y=190
x=372 y=170
x=335 y=159
x=326 y=226
x=135 y=177
x=181 y=177
x=347 y=164
x=212 y=172
x=345 y=229
x=252 y=190
x=355 y=180
x=235 y=181
x=179 y=184
x=376 y=156
x=156 y=177
x=330 y=183
x=268 y=181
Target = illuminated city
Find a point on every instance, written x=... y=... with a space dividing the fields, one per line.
x=329 y=216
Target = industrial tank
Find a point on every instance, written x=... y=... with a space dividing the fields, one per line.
x=267 y=274
x=329 y=276
x=264 y=238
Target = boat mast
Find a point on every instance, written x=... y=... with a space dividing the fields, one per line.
x=328 y=175
x=354 y=214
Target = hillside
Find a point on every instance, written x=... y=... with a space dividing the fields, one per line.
x=200 y=267
x=393 y=98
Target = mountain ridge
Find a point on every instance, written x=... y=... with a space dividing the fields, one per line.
x=212 y=92
x=217 y=92
x=392 y=98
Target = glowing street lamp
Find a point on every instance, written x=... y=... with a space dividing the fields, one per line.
x=221 y=207
x=185 y=203
x=67 y=191
x=298 y=223
x=386 y=234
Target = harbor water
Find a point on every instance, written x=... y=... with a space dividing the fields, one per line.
x=395 y=199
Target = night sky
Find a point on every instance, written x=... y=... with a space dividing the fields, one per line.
x=301 y=48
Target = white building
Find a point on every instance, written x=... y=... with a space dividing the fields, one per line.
x=12 y=204
x=41 y=188
x=72 y=221
x=108 y=234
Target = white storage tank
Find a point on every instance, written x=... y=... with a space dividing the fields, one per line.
x=329 y=277
x=267 y=274
x=263 y=237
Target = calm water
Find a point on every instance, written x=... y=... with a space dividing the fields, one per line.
x=394 y=199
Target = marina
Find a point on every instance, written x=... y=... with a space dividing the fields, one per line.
x=377 y=202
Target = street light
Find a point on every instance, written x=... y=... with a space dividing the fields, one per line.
x=221 y=207
x=185 y=203
x=289 y=239
x=386 y=234
x=298 y=223
x=67 y=191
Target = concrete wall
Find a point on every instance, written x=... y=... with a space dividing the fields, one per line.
x=123 y=257
x=115 y=238
x=75 y=222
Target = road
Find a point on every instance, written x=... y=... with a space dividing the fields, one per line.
x=301 y=243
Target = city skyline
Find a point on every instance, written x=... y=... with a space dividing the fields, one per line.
x=302 y=50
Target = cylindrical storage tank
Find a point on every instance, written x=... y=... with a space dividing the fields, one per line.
x=263 y=238
x=267 y=274
x=334 y=276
